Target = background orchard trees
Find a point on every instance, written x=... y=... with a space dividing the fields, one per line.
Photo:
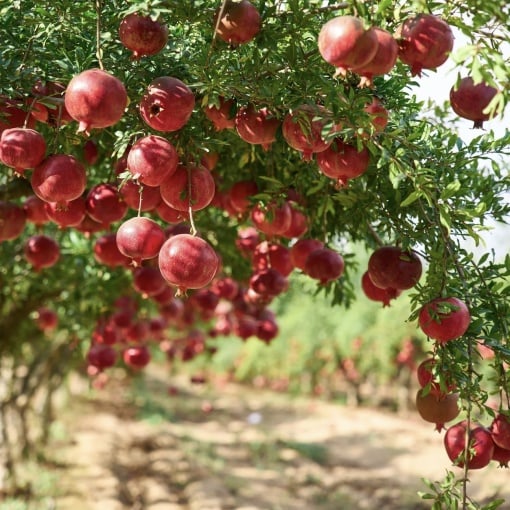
x=257 y=123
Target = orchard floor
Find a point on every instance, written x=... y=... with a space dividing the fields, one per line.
x=227 y=447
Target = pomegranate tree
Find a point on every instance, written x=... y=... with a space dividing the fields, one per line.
x=142 y=35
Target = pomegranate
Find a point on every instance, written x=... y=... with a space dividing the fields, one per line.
x=237 y=22
x=240 y=194
x=268 y=282
x=104 y=204
x=342 y=161
x=90 y=152
x=22 y=148
x=470 y=101
x=105 y=333
x=375 y=293
x=302 y=130
x=205 y=299
x=70 y=216
x=501 y=455
x=46 y=319
x=439 y=383
x=344 y=43
x=142 y=35
x=169 y=214
x=272 y=219
x=273 y=255
x=59 y=178
x=167 y=104
x=444 y=319
x=481 y=446
x=267 y=327
x=301 y=249
x=12 y=221
x=96 y=99
x=190 y=186
x=257 y=127
x=101 y=356
x=500 y=430
x=247 y=240
x=41 y=251
x=140 y=197
x=378 y=115
x=148 y=281
x=12 y=115
x=106 y=252
x=222 y=115
x=425 y=41
x=35 y=210
x=383 y=60
x=393 y=267
x=140 y=239
x=225 y=288
x=188 y=262
x=298 y=223
x=89 y=226
x=152 y=159
x=437 y=409
x=210 y=160
x=324 y=265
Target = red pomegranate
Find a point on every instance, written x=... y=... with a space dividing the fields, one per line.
x=96 y=99
x=382 y=62
x=268 y=282
x=90 y=152
x=89 y=226
x=437 y=409
x=167 y=104
x=13 y=115
x=59 y=178
x=345 y=43
x=240 y=194
x=375 y=293
x=152 y=159
x=35 y=210
x=12 y=221
x=46 y=319
x=300 y=250
x=142 y=35
x=324 y=265
x=272 y=219
x=378 y=115
x=438 y=383
x=237 y=22
x=272 y=255
x=298 y=222
x=140 y=197
x=22 y=148
x=501 y=455
x=225 y=288
x=104 y=204
x=140 y=239
x=302 y=130
x=41 y=251
x=247 y=239
x=257 y=127
x=106 y=252
x=221 y=115
x=393 y=267
x=425 y=41
x=267 y=327
x=444 y=319
x=137 y=356
x=469 y=101
x=101 y=356
x=70 y=216
x=169 y=214
x=188 y=262
x=342 y=161
x=500 y=430
x=481 y=446
x=148 y=281
x=189 y=186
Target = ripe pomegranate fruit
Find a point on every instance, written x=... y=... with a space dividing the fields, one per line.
x=35 y=210
x=41 y=251
x=481 y=446
x=101 y=356
x=12 y=221
x=298 y=222
x=437 y=409
x=500 y=430
x=189 y=186
x=169 y=214
x=46 y=319
x=70 y=216
x=12 y=115
x=395 y=268
x=59 y=178
x=225 y=288
x=300 y=250
x=501 y=455
x=167 y=104
x=90 y=152
x=188 y=262
x=106 y=252
x=272 y=219
x=22 y=148
x=142 y=35
x=425 y=41
x=469 y=101
x=238 y=22
x=140 y=197
x=268 y=282
x=152 y=159
x=240 y=194
x=257 y=127
x=223 y=115
x=302 y=130
x=96 y=99
x=104 y=204
x=345 y=43
x=378 y=115
x=148 y=281
x=382 y=62
x=140 y=239
x=375 y=293
x=324 y=265
x=440 y=384
x=273 y=255
x=444 y=319
x=342 y=161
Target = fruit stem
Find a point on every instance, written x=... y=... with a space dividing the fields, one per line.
x=99 y=51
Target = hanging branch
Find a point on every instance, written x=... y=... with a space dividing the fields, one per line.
x=99 y=51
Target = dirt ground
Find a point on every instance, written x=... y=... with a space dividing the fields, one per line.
x=205 y=447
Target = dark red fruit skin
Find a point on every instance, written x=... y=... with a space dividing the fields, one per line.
x=142 y=35
x=392 y=267
x=105 y=204
x=375 y=293
x=444 y=326
x=22 y=148
x=13 y=219
x=501 y=455
x=240 y=22
x=257 y=127
x=41 y=251
x=221 y=116
x=500 y=430
x=426 y=378
x=480 y=441
x=324 y=265
x=273 y=220
x=137 y=356
x=102 y=356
